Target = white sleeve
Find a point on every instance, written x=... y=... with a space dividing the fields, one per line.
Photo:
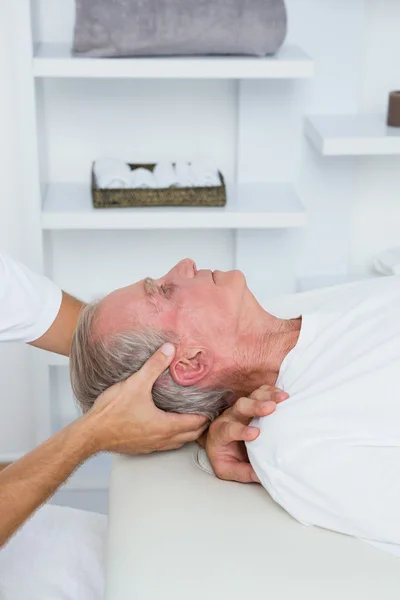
x=29 y=303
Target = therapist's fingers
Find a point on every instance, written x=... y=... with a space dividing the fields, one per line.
x=172 y=447
x=155 y=366
x=246 y=409
x=173 y=441
x=191 y=436
x=187 y=424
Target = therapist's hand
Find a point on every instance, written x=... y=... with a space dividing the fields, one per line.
x=125 y=419
x=225 y=440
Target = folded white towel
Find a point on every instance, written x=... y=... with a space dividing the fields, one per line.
x=165 y=175
x=142 y=178
x=388 y=262
x=58 y=554
x=205 y=173
x=112 y=173
x=185 y=174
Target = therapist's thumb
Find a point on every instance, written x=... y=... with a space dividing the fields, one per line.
x=157 y=364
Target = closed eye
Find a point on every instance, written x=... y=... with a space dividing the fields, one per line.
x=166 y=290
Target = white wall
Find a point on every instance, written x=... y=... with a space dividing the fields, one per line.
x=353 y=204
x=377 y=211
x=273 y=147
x=16 y=432
x=139 y=121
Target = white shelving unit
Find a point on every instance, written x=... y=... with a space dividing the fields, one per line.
x=249 y=206
x=56 y=60
x=352 y=135
x=57 y=206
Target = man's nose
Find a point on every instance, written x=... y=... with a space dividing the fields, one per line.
x=186 y=268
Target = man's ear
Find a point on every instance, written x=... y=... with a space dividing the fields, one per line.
x=190 y=367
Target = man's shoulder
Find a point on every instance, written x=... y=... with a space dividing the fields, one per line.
x=278 y=433
x=292 y=305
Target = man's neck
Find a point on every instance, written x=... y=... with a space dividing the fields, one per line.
x=262 y=352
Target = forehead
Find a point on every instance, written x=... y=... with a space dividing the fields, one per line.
x=121 y=309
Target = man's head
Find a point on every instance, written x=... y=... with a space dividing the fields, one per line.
x=203 y=313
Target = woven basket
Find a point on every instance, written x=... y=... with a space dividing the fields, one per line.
x=173 y=196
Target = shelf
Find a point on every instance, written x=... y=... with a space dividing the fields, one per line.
x=249 y=206
x=352 y=135
x=56 y=60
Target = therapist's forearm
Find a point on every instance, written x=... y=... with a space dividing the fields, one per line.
x=29 y=482
x=123 y=419
x=59 y=337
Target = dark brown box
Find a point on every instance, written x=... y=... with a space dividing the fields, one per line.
x=393 y=119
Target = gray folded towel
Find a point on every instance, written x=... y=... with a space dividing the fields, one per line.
x=179 y=27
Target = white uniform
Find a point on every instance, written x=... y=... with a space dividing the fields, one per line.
x=29 y=303
x=330 y=455
x=59 y=553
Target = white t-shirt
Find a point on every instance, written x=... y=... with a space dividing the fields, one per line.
x=330 y=455
x=29 y=303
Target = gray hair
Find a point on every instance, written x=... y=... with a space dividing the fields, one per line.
x=97 y=364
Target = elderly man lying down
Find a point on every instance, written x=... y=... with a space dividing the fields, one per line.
x=330 y=454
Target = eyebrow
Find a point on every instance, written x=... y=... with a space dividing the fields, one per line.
x=150 y=289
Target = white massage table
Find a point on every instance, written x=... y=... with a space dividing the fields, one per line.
x=177 y=532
